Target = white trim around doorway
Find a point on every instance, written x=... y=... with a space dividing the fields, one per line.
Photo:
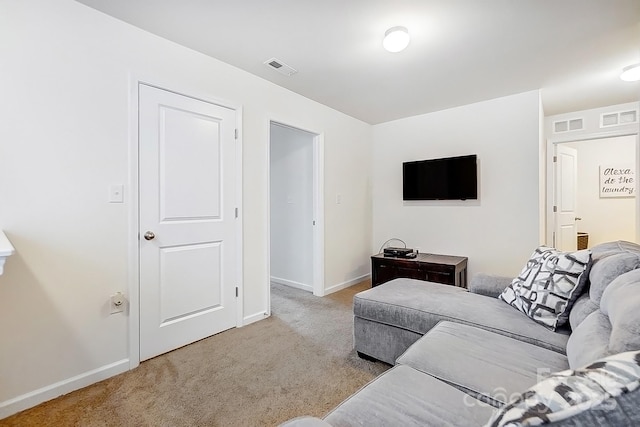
x=550 y=190
x=318 y=210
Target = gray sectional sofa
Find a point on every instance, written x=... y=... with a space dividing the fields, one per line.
x=462 y=356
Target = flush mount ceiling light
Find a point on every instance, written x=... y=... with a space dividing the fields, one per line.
x=396 y=39
x=631 y=73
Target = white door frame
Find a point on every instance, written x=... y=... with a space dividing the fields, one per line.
x=551 y=152
x=133 y=209
x=318 y=210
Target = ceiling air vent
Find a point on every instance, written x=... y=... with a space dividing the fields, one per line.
x=568 y=125
x=279 y=66
x=618 y=118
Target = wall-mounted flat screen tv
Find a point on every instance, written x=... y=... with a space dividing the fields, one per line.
x=451 y=178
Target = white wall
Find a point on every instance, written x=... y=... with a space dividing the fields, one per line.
x=497 y=232
x=605 y=219
x=64 y=139
x=291 y=174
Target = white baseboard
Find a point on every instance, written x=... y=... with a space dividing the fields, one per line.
x=291 y=283
x=344 y=285
x=254 y=318
x=33 y=398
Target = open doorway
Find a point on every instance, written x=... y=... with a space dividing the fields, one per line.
x=295 y=208
x=594 y=191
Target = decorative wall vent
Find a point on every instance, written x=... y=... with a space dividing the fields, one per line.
x=568 y=125
x=279 y=66
x=618 y=118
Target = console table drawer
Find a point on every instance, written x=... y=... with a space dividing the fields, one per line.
x=447 y=278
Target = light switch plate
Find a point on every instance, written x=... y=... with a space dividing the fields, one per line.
x=116 y=193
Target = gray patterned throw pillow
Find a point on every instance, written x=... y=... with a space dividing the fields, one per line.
x=549 y=284
x=566 y=395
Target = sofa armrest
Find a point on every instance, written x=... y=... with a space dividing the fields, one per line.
x=489 y=285
x=306 y=422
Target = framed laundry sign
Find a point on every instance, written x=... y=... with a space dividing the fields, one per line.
x=618 y=180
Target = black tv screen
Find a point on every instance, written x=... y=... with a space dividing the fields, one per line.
x=452 y=178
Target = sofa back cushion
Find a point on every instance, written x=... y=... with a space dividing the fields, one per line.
x=606 y=269
x=590 y=340
x=583 y=307
x=621 y=303
x=609 y=260
x=613 y=328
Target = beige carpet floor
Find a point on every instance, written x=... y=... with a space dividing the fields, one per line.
x=300 y=361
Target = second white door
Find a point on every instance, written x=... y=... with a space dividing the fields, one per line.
x=566 y=199
x=187 y=191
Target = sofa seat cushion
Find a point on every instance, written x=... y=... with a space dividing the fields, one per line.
x=489 y=366
x=403 y=396
x=604 y=393
x=418 y=306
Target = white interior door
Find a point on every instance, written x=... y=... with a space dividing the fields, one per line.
x=566 y=178
x=187 y=212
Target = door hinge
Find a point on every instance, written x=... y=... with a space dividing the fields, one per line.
x=555 y=159
x=236 y=134
x=236 y=292
x=555 y=209
x=236 y=212
x=314 y=223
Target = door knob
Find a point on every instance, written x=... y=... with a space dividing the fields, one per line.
x=149 y=235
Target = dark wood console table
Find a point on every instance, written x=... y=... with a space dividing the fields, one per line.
x=450 y=270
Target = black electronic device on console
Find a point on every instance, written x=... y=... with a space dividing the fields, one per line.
x=399 y=252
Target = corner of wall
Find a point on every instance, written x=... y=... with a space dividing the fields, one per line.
x=542 y=160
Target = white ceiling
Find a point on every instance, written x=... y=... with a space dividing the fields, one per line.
x=461 y=51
